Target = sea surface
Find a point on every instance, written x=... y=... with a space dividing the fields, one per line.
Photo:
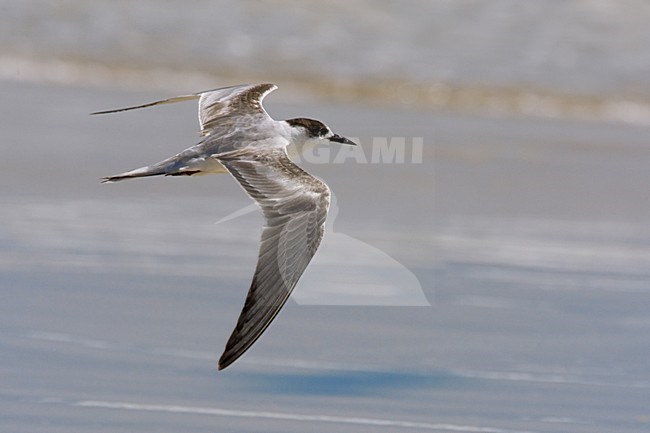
x=500 y=279
x=486 y=264
x=557 y=59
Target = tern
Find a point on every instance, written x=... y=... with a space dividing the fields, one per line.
x=240 y=138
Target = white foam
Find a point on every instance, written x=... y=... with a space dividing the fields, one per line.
x=286 y=416
x=605 y=378
x=546 y=244
x=544 y=105
x=555 y=378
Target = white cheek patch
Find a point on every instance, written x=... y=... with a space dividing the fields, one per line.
x=310 y=143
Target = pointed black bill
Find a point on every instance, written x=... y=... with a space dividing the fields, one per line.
x=338 y=139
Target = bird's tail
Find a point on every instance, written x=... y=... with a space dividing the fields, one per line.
x=150 y=170
x=177 y=165
x=174 y=166
x=186 y=163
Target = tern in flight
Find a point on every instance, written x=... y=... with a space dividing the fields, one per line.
x=240 y=138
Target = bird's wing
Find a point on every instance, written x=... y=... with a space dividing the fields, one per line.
x=151 y=104
x=294 y=205
x=226 y=105
x=218 y=107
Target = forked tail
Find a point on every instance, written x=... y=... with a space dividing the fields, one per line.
x=138 y=172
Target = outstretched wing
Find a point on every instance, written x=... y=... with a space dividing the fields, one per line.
x=294 y=205
x=230 y=118
x=219 y=106
x=151 y=104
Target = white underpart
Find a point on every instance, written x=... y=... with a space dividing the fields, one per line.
x=205 y=166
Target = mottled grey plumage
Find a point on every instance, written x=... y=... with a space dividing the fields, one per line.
x=295 y=206
x=242 y=139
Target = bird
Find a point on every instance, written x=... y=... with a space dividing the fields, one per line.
x=240 y=138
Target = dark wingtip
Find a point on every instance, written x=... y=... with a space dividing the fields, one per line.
x=111 y=111
x=223 y=362
x=116 y=110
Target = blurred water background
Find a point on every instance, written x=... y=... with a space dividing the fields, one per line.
x=551 y=58
x=524 y=222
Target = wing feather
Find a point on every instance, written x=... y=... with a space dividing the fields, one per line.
x=219 y=106
x=294 y=205
x=230 y=118
x=225 y=105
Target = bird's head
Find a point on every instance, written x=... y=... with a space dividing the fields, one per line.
x=309 y=132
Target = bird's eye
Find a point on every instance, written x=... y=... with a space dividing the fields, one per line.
x=322 y=132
